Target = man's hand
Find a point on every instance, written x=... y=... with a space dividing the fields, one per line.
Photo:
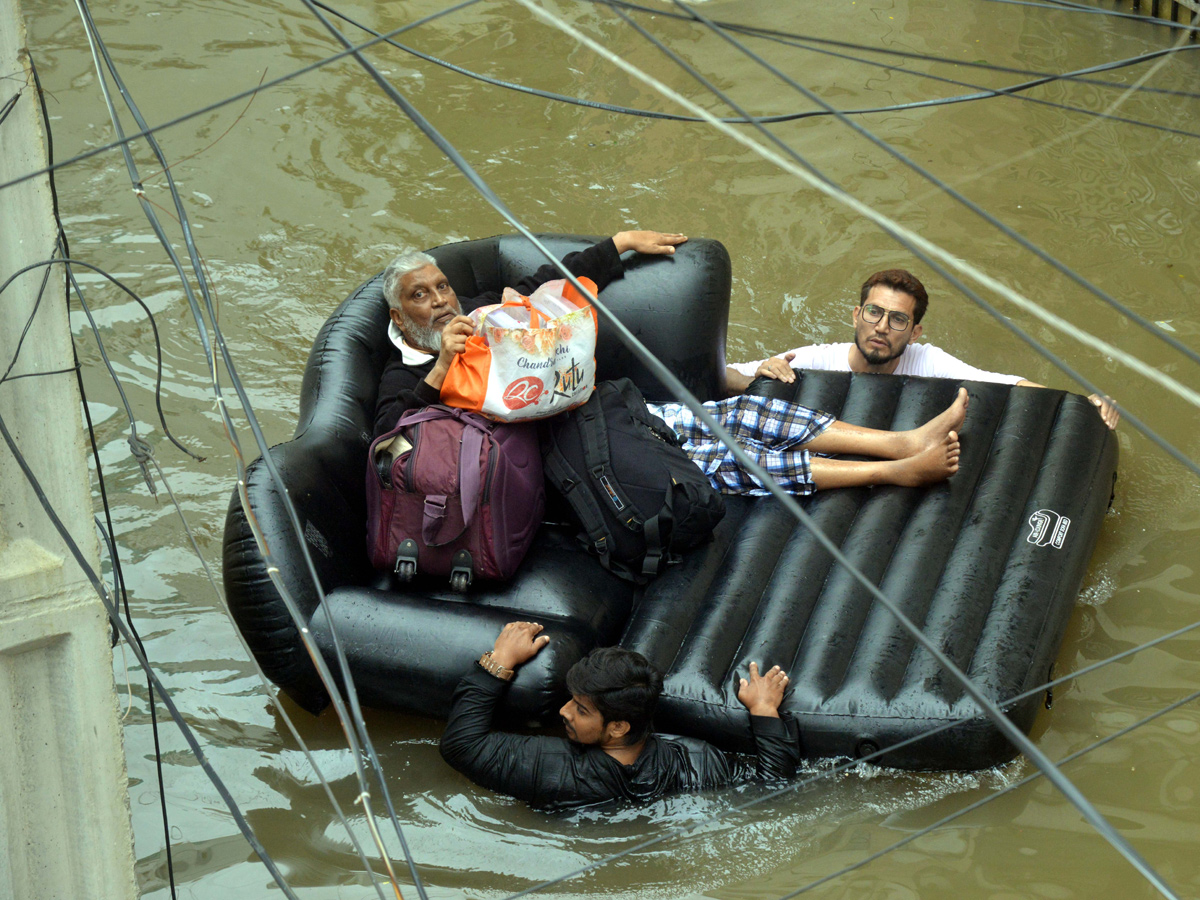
x=762 y=694
x=1107 y=407
x=779 y=368
x=652 y=242
x=518 y=643
x=454 y=338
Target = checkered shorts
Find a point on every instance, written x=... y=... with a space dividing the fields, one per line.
x=771 y=431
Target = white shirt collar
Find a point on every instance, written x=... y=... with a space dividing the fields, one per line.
x=411 y=355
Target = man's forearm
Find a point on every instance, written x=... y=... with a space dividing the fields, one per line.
x=735 y=381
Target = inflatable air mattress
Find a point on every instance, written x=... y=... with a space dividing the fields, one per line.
x=988 y=563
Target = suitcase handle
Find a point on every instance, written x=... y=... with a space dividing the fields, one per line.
x=468 y=491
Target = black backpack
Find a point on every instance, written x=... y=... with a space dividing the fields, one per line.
x=639 y=498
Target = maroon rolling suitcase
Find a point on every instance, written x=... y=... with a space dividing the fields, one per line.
x=452 y=493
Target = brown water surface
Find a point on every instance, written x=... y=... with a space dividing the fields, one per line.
x=311 y=189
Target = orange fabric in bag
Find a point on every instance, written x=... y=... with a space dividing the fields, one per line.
x=477 y=381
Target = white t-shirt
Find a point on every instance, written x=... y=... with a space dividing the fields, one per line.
x=924 y=360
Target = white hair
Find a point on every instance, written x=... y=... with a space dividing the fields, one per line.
x=406 y=262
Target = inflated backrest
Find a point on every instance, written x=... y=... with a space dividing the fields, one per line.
x=323 y=465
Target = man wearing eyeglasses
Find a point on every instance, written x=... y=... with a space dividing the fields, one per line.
x=887 y=323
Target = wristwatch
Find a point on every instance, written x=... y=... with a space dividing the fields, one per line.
x=494 y=668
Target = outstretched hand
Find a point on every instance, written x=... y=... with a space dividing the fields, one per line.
x=518 y=643
x=762 y=694
x=779 y=368
x=652 y=242
x=1107 y=407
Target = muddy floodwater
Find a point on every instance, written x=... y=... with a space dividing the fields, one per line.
x=299 y=195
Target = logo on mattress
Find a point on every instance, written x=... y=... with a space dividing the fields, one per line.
x=1048 y=529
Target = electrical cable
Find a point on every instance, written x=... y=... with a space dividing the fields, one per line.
x=115 y=617
x=241 y=95
x=1060 y=6
x=986 y=93
x=992 y=220
x=762 y=32
x=980 y=93
x=945 y=820
x=351 y=724
x=65 y=261
x=8 y=106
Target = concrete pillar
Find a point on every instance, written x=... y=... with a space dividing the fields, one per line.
x=64 y=809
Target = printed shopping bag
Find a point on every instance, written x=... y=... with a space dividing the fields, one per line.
x=530 y=357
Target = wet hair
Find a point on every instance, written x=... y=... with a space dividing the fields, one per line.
x=623 y=686
x=899 y=280
x=406 y=262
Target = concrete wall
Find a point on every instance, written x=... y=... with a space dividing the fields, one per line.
x=64 y=813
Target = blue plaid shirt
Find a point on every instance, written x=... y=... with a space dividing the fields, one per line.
x=771 y=431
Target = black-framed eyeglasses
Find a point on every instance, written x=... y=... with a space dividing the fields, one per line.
x=897 y=321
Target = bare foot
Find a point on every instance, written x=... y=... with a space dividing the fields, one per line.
x=935 y=430
x=935 y=463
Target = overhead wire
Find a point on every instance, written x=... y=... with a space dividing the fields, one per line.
x=233 y=98
x=144 y=456
x=244 y=95
x=980 y=93
x=115 y=617
x=1014 y=734
x=772 y=33
x=979 y=804
x=1061 y=6
x=354 y=726
x=1147 y=325
x=303 y=70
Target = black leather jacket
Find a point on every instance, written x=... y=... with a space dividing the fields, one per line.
x=556 y=774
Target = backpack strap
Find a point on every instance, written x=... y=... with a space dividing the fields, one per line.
x=593 y=432
x=568 y=481
x=657 y=531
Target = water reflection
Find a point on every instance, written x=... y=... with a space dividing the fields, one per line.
x=321 y=179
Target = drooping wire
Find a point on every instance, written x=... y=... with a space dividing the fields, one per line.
x=1014 y=734
x=980 y=93
x=979 y=804
x=771 y=33
x=234 y=98
x=1060 y=6
x=984 y=93
x=115 y=617
x=65 y=261
x=352 y=724
x=733 y=26
x=937 y=182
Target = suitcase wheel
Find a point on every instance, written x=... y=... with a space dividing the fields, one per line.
x=460 y=574
x=406 y=560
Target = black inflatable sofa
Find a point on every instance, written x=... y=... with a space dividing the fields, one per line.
x=988 y=563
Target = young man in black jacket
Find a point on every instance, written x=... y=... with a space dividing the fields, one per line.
x=611 y=753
